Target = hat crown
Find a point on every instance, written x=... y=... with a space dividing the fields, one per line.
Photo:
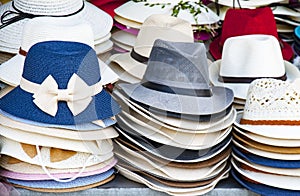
x=178 y=64
x=49 y=7
x=252 y=56
x=271 y=99
x=248 y=21
x=48 y=28
x=165 y=27
x=61 y=60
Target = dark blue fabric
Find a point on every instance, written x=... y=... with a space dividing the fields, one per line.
x=60 y=60
x=266 y=161
x=261 y=188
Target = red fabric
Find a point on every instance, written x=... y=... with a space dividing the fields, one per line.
x=239 y=22
x=108 y=5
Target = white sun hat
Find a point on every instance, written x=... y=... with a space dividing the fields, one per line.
x=71 y=10
x=49 y=29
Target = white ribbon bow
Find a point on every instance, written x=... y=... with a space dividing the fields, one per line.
x=78 y=94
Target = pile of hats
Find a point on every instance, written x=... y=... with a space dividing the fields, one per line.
x=249 y=52
x=266 y=150
x=131 y=66
x=17 y=12
x=174 y=127
x=56 y=125
x=130 y=17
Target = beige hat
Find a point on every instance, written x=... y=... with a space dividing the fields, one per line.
x=164 y=27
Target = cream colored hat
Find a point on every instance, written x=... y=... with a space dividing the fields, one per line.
x=164 y=27
x=249 y=57
x=49 y=29
x=70 y=10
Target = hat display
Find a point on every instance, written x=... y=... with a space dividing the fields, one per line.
x=49 y=29
x=249 y=57
x=192 y=95
x=155 y=27
x=65 y=65
x=73 y=11
x=245 y=22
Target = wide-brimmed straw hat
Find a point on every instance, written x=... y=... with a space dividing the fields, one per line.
x=249 y=57
x=70 y=72
x=168 y=85
x=239 y=22
x=155 y=27
x=16 y=13
x=50 y=29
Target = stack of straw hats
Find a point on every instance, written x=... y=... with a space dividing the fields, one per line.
x=56 y=124
x=130 y=66
x=246 y=58
x=266 y=150
x=174 y=127
x=16 y=13
x=130 y=17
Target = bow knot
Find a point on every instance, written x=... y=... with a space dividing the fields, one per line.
x=78 y=94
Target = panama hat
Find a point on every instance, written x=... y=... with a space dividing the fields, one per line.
x=75 y=185
x=274 y=163
x=190 y=141
x=271 y=170
x=155 y=27
x=48 y=29
x=11 y=28
x=278 y=181
x=249 y=57
x=161 y=87
x=72 y=133
x=170 y=153
x=266 y=154
x=246 y=4
x=139 y=162
x=240 y=22
x=153 y=184
x=53 y=63
x=177 y=124
x=268 y=140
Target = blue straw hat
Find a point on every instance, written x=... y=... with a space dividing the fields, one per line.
x=61 y=84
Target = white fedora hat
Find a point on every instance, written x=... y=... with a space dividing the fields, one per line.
x=71 y=10
x=249 y=57
x=49 y=29
x=155 y=27
x=138 y=12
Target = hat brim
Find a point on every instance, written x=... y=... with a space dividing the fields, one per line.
x=130 y=65
x=172 y=153
x=272 y=131
x=11 y=36
x=247 y=4
x=53 y=185
x=181 y=125
x=266 y=161
x=216 y=50
x=221 y=99
x=278 y=181
x=240 y=90
x=261 y=188
x=124 y=37
x=270 y=155
x=101 y=107
x=122 y=74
